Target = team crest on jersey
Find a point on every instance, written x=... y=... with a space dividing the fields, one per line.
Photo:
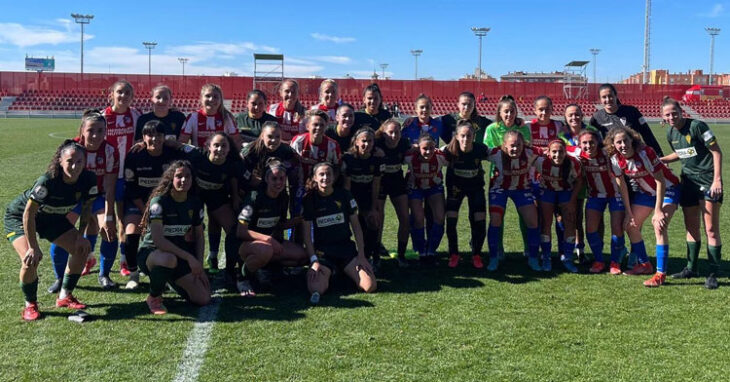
x=99 y=160
x=218 y=123
x=339 y=205
x=155 y=209
x=40 y=192
x=127 y=120
x=128 y=174
x=623 y=121
x=246 y=212
x=688 y=138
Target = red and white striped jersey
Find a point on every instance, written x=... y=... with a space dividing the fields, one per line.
x=543 y=134
x=200 y=126
x=512 y=174
x=424 y=174
x=103 y=161
x=640 y=169
x=120 y=132
x=291 y=122
x=326 y=151
x=552 y=177
x=331 y=113
x=599 y=179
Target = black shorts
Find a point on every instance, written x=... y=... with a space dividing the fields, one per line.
x=477 y=199
x=393 y=185
x=214 y=201
x=336 y=256
x=181 y=269
x=691 y=192
x=49 y=227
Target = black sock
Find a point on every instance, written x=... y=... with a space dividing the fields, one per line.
x=132 y=249
x=451 y=235
x=478 y=234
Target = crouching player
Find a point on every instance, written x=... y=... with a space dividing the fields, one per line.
x=657 y=192
x=172 y=248
x=42 y=210
x=262 y=222
x=330 y=213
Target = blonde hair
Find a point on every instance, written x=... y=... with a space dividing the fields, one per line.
x=222 y=108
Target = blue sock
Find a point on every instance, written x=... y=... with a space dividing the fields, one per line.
x=569 y=247
x=418 y=236
x=59 y=257
x=559 y=233
x=546 y=246
x=92 y=240
x=107 y=254
x=435 y=234
x=123 y=249
x=662 y=253
x=596 y=244
x=493 y=241
x=639 y=249
x=618 y=245
x=533 y=242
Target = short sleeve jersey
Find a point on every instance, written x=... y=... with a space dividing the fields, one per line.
x=331 y=112
x=173 y=123
x=57 y=197
x=361 y=171
x=212 y=179
x=344 y=142
x=142 y=172
x=541 y=135
x=326 y=151
x=102 y=162
x=640 y=169
x=512 y=173
x=599 y=178
x=120 y=132
x=393 y=159
x=692 y=143
x=425 y=173
x=263 y=214
x=253 y=161
x=495 y=133
x=362 y=118
x=200 y=126
x=413 y=128
x=465 y=170
x=290 y=121
x=177 y=218
x=553 y=177
x=252 y=126
x=627 y=116
x=330 y=216
x=479 y=125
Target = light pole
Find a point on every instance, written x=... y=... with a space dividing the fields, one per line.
x=383 y=66
x=183 y=61
x=713 y=32
x=480 y=32
x=416 y=53
x=83 y=20
x=149 y=46
x=594 y=52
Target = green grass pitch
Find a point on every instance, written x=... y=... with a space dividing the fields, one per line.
x=436 y=325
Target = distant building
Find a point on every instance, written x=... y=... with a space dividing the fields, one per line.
x=475 y=76
x=691 y=77
x=556 y=76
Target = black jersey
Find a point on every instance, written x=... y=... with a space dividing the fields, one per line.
x=55 y=196
x=465 y=170
x=178 y=219
x=142 y=171
x=449 y=121
x=252 y=126
x=393 y=159
x=361 y=172
x=172 y=122
x=263 y=214
x=256 y=161
x=362 y=118
x=212 y=179
x=330 y=216
x=627 y=116
x=344 y=142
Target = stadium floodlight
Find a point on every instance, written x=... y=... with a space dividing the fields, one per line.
x=83 y=20
x=713 y=32
x=383 y=66
x=480 y=32
x=416 y=53
x=183 y=61
x=149 y=46
x=594 y=52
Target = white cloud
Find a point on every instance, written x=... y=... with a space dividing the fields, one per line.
x=206 y=48
x=368 y=73
x=333 y=59
x=23 y=36
x=716 y=11
x=335 y=39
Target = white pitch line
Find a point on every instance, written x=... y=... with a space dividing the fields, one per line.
x=53 y=135
x=192 y=358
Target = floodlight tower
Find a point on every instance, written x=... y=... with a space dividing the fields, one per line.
x=480 y=32
x=83 y=20
x=149 y=46
x=383 y=66
x=416 y=53
x=183 y=61
x=713 y=32
x=594 y=52
x=645 y=68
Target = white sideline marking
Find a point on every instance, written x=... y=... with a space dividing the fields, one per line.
x=194 y=354
x=53 y=135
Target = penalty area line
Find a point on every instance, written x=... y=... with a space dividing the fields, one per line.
x=53 y=135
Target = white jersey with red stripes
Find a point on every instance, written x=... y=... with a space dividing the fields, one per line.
x=102 y=161
x=512 y=173
x=201 y=126
x=120 y=132
x=542 y=134
x=424 y=174
x=326 y=151
x=552 y=176
x=291 y=122
x=599 y=179
x=331 y=112
x=640 y=169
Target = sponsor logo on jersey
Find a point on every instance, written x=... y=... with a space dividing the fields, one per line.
x=205 y=185
x=708 y=135
x=188 y=148
x=176 y=229
x=330 y=220
x=246 y=213
x=466 y=173
x=156 y=209
x=267 y=222
x=392 y=168
x=148 y=182
x=57 y=210
x=40 y=192
x=361 y=178
x=688 y=152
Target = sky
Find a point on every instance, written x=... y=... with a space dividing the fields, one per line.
x=331 y=39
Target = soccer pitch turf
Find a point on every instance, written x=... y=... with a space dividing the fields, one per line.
x=435 y=324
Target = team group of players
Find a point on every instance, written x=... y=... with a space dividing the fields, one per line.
x=292 y=187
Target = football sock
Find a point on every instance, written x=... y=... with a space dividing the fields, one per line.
x=451 y=235
x=693 y=252
x=533 y=240
x=714 y=253
x=418 y=236
x=30 y=291
x=59 y=257
x=108 y=252
x=478 y=234
x=493 y=239
x=159 y=276
x=662 y=253
x=435 y=234
x=618 y=245
x=639 y=249
x=596 y=244
x=68 y=284
x=92 y=240
x=546 y=246
x=132 y=249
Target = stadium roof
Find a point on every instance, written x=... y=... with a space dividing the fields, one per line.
x=577 y=63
